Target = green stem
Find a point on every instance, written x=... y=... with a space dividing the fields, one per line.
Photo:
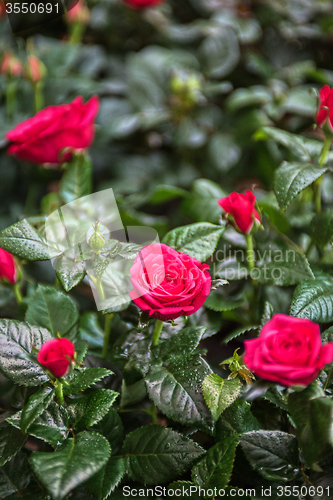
x=250 y=251
x=153 y=414
x=328 y=378
x=100 y=289
x=317 y=184
x=107 y=331
x=39 y=98
x=77 y=31
x=324 y=152
x=11 y=98
x=17 y=293
x=59 y=392
x=157 y=331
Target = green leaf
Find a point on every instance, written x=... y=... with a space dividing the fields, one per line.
x=291 y=141
x=184 y=488
x=322 y=228
x=236 y=420
x=77 y=179
x=289 y=270
x=201 y=203
x=183 y=342
x=217 y=302
x=313 y=300
x=53 y=310
x=292 y=178
x=102 y=484
x=175 y=389
x=88 y=410
x=91 y=331
x=274 y=454
x=220 y=53
x=17 y=340
x=220 y=393
x=11 y=441
x=133 y=393
x=85 y=378
x=70 y=273
x=112 y=429
x=70 y=465
x=197 y=240
x=312 y=413
x=36 y=405
x=156 y=455
x=14 y=476
x=275 y=216
x=51 y=426
x=215 y=468
x=23 y=240
x=164 y=193
x=81 y=348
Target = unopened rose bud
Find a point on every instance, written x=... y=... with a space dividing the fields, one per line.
x=56 y=356
x=241 y=212
x=96 y=240
x=10 y=66
x=36 y=69
x=78 y=13
x=8 y=270
x=324 y=116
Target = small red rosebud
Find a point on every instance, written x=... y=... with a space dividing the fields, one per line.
x=79 y=13
x=325 y=110
x=142 y=4
x=10 y=65
x=56 y=355
x=241 y=208
x=36 y=69
x=8 y=269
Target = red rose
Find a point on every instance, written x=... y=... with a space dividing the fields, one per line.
x=142 y=4
x=288 y=351
x=56 y=355
x=325 y=110
x=42 y=138
x=241 y=208
x=167 y=283
x=10 y=65
x=7 y=267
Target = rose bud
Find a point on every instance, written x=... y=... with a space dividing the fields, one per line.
x=10 y=66
x=241 y=211
x=168 y=284
x=36 y=69
x=288 y=351
x=325 y=110
x=78 y=12
x=42 y=139
x=56 y=355
x=142 y=4
x=8 y=269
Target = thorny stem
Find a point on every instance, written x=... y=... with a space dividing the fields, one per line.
x=157 y=332
x=107 y=331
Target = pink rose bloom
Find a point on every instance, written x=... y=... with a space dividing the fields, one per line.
x=42 y=138
x=168 y=284
x=56 y=355
x=288 y=351
x=7 y=267
x=241 y=207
